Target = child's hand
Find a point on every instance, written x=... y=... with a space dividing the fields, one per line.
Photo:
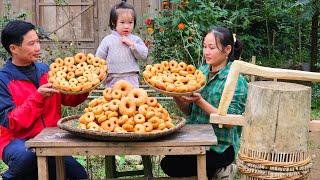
x=127 y=41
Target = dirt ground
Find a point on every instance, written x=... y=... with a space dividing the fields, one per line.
x=314 y=144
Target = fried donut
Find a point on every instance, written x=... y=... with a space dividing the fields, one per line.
x=124 y=86
x=173 y=64
x=59 y=61
x=75 y=87
x=128 y=127
x=169 y=124
x=152 y=101
x=114 y=104
x=127 y=106
x=190 y=69
x=90 y=57
x=70 y=75
x=159 y=68
x=68 y=61
x=102 y=118
x=54 y=67
x=93 y=126
x=108 y=125
x=139 y=128
x=148 y=67
x=155 y=121
x=165 y=65
x=123 y=119
x=82 y=126
x=87 y=117
x=78 y=72
x=81 y=65
x=143 y=109
x=107 y=94
x=80 y=57
x=86 y=86
x=116 y=94
x=139 y=119
x=73 y=81
x=96 y=61
x=139 y=95
x=149 y=126
x=161 y=126
x=182 y=66
x=82 y=79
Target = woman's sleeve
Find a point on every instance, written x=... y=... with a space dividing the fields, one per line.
x=237 y=105
x=140 y=50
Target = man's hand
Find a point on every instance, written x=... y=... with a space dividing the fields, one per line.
x=47 y=90
x=127 y=41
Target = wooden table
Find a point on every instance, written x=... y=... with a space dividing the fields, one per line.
x=190 y=140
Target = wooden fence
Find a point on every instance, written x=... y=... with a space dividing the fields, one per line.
x=85 y=21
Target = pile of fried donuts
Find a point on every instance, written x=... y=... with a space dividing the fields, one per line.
x=125 y=109
x=78 y=73
x=175 y=77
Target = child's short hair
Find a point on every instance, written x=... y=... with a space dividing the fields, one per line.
x=114 y=16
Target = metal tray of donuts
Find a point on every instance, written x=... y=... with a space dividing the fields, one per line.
x=70 y=124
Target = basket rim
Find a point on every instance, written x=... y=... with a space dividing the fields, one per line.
x=82 y=92
x=116 y=136
x=174 y=94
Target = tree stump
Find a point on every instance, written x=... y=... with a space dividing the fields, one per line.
x=274 y=141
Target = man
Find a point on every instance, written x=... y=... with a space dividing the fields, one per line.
x=28 y=104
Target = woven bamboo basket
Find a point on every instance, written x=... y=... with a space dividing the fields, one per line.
x=70 y=124
x=174 y=94
x=88 y=90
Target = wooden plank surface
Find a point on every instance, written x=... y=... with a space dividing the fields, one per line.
x=189 y=135
x=120 y=150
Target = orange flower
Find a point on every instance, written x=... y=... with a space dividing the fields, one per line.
x=181 y=26
x=150 y=30
x=161 y=29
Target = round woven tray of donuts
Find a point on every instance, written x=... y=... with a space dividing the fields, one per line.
x=77 y=74
x=71 y=124
x=174 y=79
x=173 y=94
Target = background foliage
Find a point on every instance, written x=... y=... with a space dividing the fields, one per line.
x=276 y=31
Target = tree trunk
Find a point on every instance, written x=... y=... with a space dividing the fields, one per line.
x=276 y=132
x=314 y=40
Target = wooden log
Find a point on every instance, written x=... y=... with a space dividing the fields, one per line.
x=277 y=115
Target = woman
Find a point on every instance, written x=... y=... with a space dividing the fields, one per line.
x=219 y=48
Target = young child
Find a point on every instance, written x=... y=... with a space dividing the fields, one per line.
x=121 y=48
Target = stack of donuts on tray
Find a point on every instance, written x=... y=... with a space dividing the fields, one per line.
x=76 y=74
x=174 y=77
x=125 y=109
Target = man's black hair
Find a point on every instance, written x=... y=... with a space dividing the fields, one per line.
x=13 y=33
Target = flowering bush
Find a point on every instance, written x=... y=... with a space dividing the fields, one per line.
x=178 y=31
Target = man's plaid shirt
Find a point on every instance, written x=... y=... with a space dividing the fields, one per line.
x=212 y=93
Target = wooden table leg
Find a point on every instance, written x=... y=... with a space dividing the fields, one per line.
x=43 y=171
x=60 y=170
x=201 y=166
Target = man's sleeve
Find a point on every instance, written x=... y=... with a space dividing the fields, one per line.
x=238 y=102
x=19 y=117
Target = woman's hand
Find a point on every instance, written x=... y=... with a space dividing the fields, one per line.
x=46 y=90
x=195 y=97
